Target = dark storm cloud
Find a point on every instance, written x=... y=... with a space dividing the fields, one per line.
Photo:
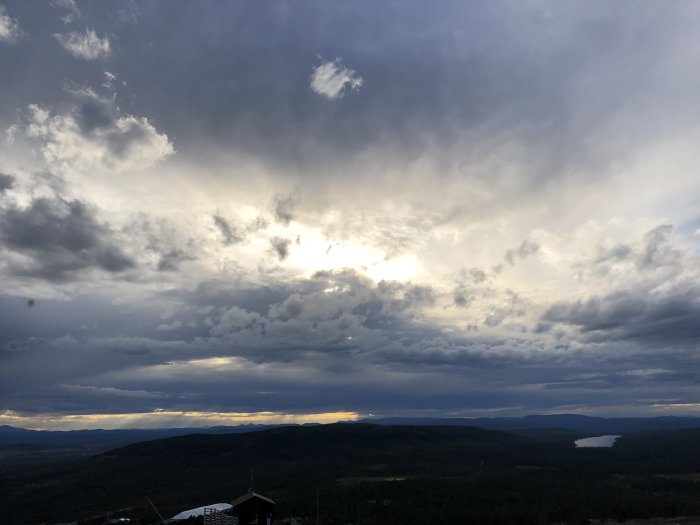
x=301 y=329
x=660 y=308
x=526 y=248
x=477 y=275
x=94 y=112
x=281 y=246
x=470 y=285
x=7 y=182
x=60 y=237
x=616 y=253
x=228 y=231
x=398 y=296
x=218 y=293
x=657 y=250
x=305 y=348
x=625 y=379
x=70 y=342
x=84 y=316
x=668 y=317
x=513 y=306
x=237 y=232
x=161 y=238
x=382 y=322
x=284 y=208
x=462 y=296
x=297 y=347
x=171 y=259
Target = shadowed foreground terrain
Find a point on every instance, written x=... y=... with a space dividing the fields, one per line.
x=379 y=474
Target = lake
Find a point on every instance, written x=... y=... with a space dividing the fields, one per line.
x=596 y=442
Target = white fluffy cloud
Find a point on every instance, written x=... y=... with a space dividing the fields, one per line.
x=9 y=28
x=332 y=78
x=86 y=46
x=94 y=134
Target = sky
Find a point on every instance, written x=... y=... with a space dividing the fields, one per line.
x=221 y=212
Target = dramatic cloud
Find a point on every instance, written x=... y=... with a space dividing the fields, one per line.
x=95 y=134
x=526 y=248
x=657 y=305
x=6 y=182
x=284 y=208
x=86 y=45
x=486 y=215
x=171 y=260
x=56 y=238
x=9 y=28
x=164 y=247
x=662 y=316
x=236 y=233
x=281 y=247
x=229 y=232
x=331 y=79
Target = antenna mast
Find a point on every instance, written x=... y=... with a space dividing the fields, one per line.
x=154 y=508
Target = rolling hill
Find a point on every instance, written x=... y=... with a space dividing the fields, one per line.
x=387 y=474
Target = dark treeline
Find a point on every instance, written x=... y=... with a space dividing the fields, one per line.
x=374 y=474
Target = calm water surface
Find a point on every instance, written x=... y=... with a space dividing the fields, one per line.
x=598 y=441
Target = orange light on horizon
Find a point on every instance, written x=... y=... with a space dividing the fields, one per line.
x=167 y=419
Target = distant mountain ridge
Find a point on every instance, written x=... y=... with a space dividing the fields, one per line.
x=590 y=424
x=577 y=422
x=117 y=437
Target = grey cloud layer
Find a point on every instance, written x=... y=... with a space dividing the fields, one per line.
x=6 y=182
x=547 y=73
x=363 y=345
x=490 y=147
x=299 y=347
x=60 y=238
x=659 y=306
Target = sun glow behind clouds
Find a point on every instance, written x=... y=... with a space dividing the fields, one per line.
x=167 y=419
x=315 y=252
x=321 y=242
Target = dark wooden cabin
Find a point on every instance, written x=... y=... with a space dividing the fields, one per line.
x=253 y=509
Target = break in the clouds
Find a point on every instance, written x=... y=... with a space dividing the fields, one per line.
x=331 y=79
x=472 y=210
x=86 y=45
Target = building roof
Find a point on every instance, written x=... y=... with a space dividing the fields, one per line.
x=199 y=511
x=248 y=496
